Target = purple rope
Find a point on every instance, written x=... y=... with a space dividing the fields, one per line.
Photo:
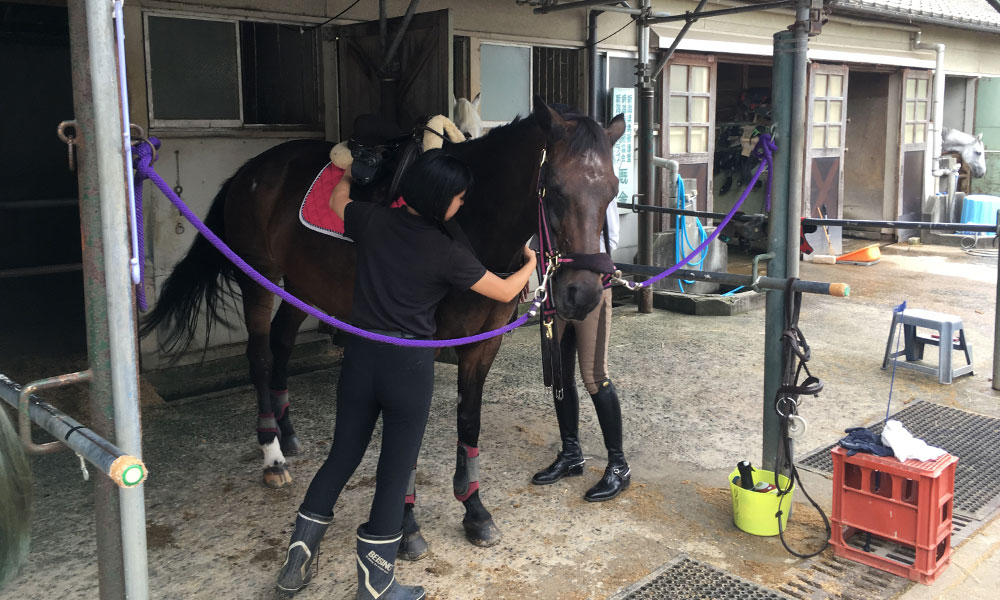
x=765 y=146
x=141 y=151
x=144 y=170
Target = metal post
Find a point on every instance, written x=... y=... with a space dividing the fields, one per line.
x=110 y=568
x=996 y=328
x=797 y=140
x=647 y=175
x=781 y=110
x=592 y=84
x=109 y=158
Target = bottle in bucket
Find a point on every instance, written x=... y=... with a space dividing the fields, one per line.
x=746 y=474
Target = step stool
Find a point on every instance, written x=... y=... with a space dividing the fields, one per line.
x=906 y=503
x=949 y=327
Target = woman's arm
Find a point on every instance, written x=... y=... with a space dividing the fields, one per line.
x=341 y=195
x=505 y=290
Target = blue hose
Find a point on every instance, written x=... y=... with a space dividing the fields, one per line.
x=682 y=244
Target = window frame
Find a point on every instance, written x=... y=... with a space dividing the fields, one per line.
x=230 y=124
x=927 y=99
x=687 y=156
x=826 y=124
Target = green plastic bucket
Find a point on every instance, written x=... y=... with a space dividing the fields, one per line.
x=753 y=512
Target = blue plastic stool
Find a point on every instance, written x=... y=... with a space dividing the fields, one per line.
x=946 y=326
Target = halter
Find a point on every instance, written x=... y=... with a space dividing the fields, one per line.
x=553 y=258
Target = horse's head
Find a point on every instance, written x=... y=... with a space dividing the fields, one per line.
x=467 y=117
x=579 y=180
x=970 y=147
x=974 y=155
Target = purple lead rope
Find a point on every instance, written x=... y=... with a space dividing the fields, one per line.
x=765 y=146
x=144 y=157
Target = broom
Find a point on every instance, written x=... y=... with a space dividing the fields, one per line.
x=827 y=259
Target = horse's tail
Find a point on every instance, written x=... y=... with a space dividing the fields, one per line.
x=15 y=500
x=204 y=275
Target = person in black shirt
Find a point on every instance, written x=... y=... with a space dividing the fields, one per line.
x=406 y=265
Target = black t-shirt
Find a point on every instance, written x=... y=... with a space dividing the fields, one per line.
x=406 y=266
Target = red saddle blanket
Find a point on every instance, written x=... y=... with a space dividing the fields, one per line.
x=315 y=212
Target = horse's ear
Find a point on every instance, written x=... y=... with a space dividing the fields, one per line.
x=548 y=119
x=979 y=137
x=616 y=128
x=475 y=101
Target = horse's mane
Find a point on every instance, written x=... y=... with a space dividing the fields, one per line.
x=587 y=136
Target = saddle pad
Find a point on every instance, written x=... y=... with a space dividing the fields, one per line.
x=315 y=212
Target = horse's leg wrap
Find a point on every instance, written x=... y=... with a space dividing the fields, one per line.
x=267 y=428
x=466 y=481
x=411 y=487
x=279 y=404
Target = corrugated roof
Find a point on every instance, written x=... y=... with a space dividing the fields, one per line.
x=965 y=14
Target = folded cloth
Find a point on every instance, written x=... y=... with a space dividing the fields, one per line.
x=905 y=446
x=859 y=439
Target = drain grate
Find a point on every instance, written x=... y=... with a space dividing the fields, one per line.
x=974 y=439
x=684 y=578
x=828 y=576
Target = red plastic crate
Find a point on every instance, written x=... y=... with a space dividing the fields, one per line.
x=907 y=503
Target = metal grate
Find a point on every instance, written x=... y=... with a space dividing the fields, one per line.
x=828 y=576
x=684 y=578
x=974 y=439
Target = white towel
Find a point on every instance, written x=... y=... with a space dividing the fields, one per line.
x=905 y=446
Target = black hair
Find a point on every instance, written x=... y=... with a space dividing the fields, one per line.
x=432 y=181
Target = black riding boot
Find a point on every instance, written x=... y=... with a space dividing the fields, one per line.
x=377 y=569
x=617 y=475
x=302 y=549
x=570 y=459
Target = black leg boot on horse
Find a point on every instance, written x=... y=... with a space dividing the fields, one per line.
x=377 y=569
x=617 y=475
x=413 y=546
x=302 y=550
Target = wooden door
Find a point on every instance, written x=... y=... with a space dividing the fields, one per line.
x=415 y=83
x=913 y=131
x=826 y=128
x=687 y=127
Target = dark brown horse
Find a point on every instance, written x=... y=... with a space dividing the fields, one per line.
x=256 y=213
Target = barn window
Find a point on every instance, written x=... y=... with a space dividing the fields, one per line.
x=828 y=110
x=555 y=75
x=230 y=73
x=690 y=97
x=511 y=75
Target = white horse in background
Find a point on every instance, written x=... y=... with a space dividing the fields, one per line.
x=467 y=117
x=969 y=146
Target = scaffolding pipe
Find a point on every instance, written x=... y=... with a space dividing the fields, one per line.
x=840 y=290
x=647 y=175
x=122 y=469
x=665 y=57
x=107 y=510
x=592 y=83
x=108 y=154
x=721 y=12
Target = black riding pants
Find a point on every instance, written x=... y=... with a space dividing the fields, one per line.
x=396 y=382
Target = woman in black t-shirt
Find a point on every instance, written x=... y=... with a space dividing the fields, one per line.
x=406 y=265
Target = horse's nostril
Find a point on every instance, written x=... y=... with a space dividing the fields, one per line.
x=571 y=290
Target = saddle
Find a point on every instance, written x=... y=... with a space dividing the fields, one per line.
x=375 y=141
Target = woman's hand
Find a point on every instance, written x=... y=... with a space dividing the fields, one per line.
x=529 y=256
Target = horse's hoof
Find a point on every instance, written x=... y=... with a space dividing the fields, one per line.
x=277 y=476
x=290 y=445
x=482 y=533
x=413 y=546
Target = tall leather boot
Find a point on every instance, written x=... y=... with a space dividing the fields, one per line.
x=303 y=547
x=617 y=475
x=569 y=461
x=377 y=568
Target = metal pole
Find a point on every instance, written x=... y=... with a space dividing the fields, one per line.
x=107 y=512
x=797 y=141
x=647 y=176
x=592 y=83
x=996 y=329
x=662 y=61
x=723 y=11
x=781 y=86
x=109 y=157
x=840 y=290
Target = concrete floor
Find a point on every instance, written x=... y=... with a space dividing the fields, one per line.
x=691 y=391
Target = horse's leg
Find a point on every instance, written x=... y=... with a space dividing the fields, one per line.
x=257 y=305
x=284 y=327
x=413 y=545
x=474 y=362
